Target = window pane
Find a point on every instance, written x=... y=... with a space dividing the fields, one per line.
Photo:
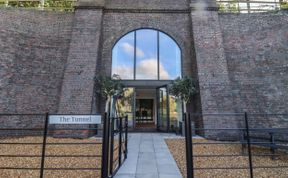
x=175 y=108
x=123 y=57
x=170 y=58
x=163 y=112
x=125 y=105
x=146 y=54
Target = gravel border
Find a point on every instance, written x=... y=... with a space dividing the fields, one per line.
x=51 y=162
x=177 y=148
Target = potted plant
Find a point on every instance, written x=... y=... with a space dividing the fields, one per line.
x=183 y=88
x=111 y=89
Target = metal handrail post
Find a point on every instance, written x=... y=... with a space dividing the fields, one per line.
x=188 y=140
x=120 y=141
x=249 y=144
x=105 y=147
x=112 y=145
x=44 y=145
x=126 y=137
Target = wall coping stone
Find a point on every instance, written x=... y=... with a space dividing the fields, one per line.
x=208 y=5
x=90 y=4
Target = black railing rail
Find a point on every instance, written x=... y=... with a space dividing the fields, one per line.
x=118 y=132
x=243 y=129
x=41 y=128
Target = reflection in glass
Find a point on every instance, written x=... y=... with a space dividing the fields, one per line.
x=123 y=57
x=170 y=58
x=125 y=105
x=156 y=55
x=162 y=110
x=175 y=108
x=144 y=111
x=146 y=54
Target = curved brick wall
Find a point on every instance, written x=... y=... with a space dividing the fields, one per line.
x=256 y=49
x=33 y=51
x=241 y=60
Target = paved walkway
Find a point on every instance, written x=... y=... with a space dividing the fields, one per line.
x=148 y=157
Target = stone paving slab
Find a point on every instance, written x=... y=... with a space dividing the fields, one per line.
x=149 y=157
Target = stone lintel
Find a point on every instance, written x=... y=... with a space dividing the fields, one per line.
x=90 y=4
x=200 y=5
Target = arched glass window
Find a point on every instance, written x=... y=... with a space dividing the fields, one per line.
x=146 y=54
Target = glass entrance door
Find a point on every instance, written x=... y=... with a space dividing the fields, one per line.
x=125 y=106
x=144 y=111
x=162 y=109
x=169 y=110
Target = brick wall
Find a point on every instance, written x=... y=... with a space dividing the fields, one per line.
x=256 y=49
x=33 y=51
x=78 y=82
x=49 y=59
x=214 y=83
x=147 y=4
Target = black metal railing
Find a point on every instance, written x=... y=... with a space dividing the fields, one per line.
x=118 y=143
x=253 y=136
x=29 y=143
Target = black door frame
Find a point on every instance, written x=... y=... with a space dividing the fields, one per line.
x=167 y=109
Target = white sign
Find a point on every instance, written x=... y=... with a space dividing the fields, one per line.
x=75 y=119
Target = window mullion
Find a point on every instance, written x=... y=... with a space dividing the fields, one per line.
x=158 y=60
x=135 y=42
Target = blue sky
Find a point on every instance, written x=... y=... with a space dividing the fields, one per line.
x=146 y=56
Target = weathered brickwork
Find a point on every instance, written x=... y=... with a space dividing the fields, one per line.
x=48 y=59
x=78 y=82
x=147 y=4
x=214 y=83
x=33 y=50
x=256 y=49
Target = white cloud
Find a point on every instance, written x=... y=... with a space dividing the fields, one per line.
x=147 y=69
x=163 y=73
x=129 y=49
x=124 y=72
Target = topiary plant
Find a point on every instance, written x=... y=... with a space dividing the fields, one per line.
x=183 y=88
x=109 y=88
